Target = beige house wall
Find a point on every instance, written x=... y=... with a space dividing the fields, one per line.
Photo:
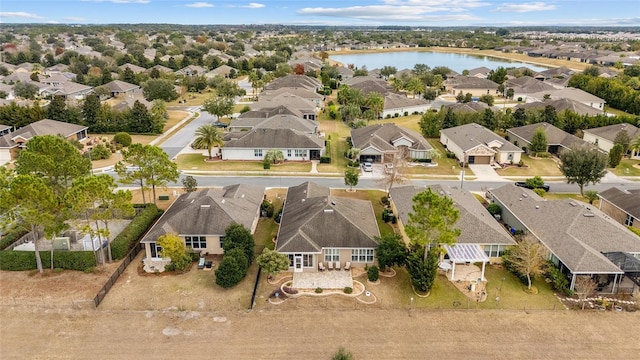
x=616 y=213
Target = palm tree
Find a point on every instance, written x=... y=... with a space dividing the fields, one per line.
x=416 y=86
x=208 y=135
x=274 y=156
x=375 y=102
x=635 y=145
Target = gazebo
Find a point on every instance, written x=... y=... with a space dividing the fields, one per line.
x=466 y=253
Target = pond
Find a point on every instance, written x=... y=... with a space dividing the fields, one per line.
x=407 y=60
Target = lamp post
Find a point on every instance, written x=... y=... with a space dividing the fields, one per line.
x=464 y=161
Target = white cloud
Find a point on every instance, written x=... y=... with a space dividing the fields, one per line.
x=253 y=6
x=75 y=19
x=200 y=5
x=19 y=14
x=525 y=7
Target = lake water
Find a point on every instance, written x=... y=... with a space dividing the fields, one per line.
x=407 y=60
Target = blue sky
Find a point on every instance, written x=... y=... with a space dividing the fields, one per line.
x=314 y=12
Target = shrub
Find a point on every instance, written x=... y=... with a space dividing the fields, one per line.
x=232 y=269
x=385 y=201
x=319 y=290
x=540 y=192
x=278 y=216
x=373 y=273
x=100 y=152
x=406 y=113
x=122 y=138
x=11 y=237
x=520 y=163
x=266 y=164
x=494 y=209
x=348 y=290
x=245 y=109
x=128 y=238
x=266 y=209
x=67 y=260
x=325 y=159
x=559 y=282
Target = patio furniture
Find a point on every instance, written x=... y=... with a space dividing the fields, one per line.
x=321 y=266
x=330 y=265
x=337 y=265
x=201 y=263
x=347 y=265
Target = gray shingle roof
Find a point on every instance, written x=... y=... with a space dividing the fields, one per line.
x=280 y=121
x=381 y=136
x=470 y=107
x=41 y=127
x=476 y=225
x=269 y=112
x=287 y=99
x=209 y=212
x=610 y=132
x=294 y=81
x=527 y=85
x=276 y=139
x=470 y=82
x=627 y=200
x=471 y=135
x=568 y=93
x=118 y=86
x=555 y=136
x=399 y=101
x=577 y=233
x=313 y=220
x=561 y=105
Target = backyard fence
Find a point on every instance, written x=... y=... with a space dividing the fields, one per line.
x=114 y=277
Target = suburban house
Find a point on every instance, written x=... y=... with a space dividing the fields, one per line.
x=135 y=68
x=480 y=234
x=304 y=93
x=119 y=87
x=395 y=104
x=468 y=107
x=307 y=108
x=295 y=81
x=557 y=139
x=222 y=70
x=277 y=120
x=470 y=84
x=605 y=136
x=381 y=142
x=11 y=142
x=561 y=105
x=580 y=239
x=68 y=89
x=525 y=85
x=201 y=217
x=317 y=227
x=622 y=206
x=191 y=70
x=568 y=93
x=480 y=72
x=254 y=144
x=475 y=144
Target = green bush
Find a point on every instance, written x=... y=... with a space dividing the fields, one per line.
x=100 y=152
x=11 y=237
x=128 y=238
x=325 y=159
x=122 y=138
x=67 y=260
x=318 y=290
x=348 y=290
x=373 y=273
x=559 y=281
x=267 y=208
x=540 y=192
x=233 y=268
x=245 y=109
x=494 y=209
x=266 y=164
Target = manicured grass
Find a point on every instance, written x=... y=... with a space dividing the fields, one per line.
x=533 y=167
x=627 y=168
x=175 y=116
x=338 y=161
x=374 y=196
x=445 y=166
x=556 y=196
x=500 y=283
x=196 y=162
x=410 y=122
x=192 y=99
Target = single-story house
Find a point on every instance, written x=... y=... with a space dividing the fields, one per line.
x=577 y=235
x=557 y=139
x=223 y=70
x=295 y=81
x=568 y=93
x=119 y=87
x=475 y=144
x=468 y=107
x=304 y=93
x=275 y=121
x=605 y=136
x=307 y=108
x=561 y=105
x=191 y=70
x=470 y=84
x=11 y=142
x=399 y=104
x=135 y=68
x=254 y=144
x=381 y=142
x=478 y=228
x=526 y=85
x=622 y=205
x=319 y=228
x=68 y=89
x=201 y=217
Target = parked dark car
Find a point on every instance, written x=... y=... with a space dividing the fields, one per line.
x=220 y=124
x=523 y=184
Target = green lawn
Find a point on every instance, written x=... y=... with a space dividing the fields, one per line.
x=267 y=229
x=410 y=122
x=533 y=167
x=445 y=166
x=444 y=295
x=196 y=162
x=627 y=168
x=557 y=196
x=374 y=196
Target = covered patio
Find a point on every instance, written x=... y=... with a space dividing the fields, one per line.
x=466 y=254
x=336 y=279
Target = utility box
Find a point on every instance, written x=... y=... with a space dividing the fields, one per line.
x=62 y=243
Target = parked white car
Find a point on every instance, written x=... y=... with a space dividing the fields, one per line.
x=367 y=167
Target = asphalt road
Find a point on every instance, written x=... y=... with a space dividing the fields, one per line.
x=184 y=136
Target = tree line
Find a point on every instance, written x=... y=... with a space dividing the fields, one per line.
x=620 y=92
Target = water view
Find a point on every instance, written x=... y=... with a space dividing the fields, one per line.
x=407 y=60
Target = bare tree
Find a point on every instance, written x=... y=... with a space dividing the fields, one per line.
x=585 y=286
x=527 y=257
x=394 y=172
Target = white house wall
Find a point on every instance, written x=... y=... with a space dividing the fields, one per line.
x=603 y=144
x=249 y=154
x=451 y=146
x=5 y=156
x=409 y=109
x=503 y=157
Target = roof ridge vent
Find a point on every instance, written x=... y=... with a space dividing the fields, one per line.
x=328 y=210
x=588 y=214
x=205 y=206
x=223 y=201
x=573 y=204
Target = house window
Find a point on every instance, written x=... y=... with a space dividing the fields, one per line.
x=362 y=255
x=196 y=242
x=307 y=260
x=290 y=260
x=494 y=250
x=629 y=220
x=331 y=254
x=257 y=153
x=300 y=153
x=289 y=153
x=221 y=241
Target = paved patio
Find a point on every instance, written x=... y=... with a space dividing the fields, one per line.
x=466 y=273
x=336 y=279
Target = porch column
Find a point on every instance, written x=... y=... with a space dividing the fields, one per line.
x=483 y=265
x=615 y=282
x=453 y=270
x=573 y=281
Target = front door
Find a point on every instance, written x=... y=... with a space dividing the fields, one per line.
x=297 y=263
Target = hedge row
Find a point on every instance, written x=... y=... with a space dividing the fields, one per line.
x=26 y=260
x=128 y=238
x=11 y=237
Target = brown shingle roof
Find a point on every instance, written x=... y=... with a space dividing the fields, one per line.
x=627 y=200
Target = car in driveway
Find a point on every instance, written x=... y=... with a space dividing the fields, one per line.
x=220 y=124
x=523 y=184
x=367 y=167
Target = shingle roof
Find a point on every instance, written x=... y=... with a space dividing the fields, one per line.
x=555 y=136
x=276 y=139
x=561 y=105
x=313 y=220
x=399 y=101
x=280 y=121
x=287 y=99
x=469 y=107
x=471 y=135
x=269 y=112
x=527 y=85
x=294 y=81
x=568 y=93
x=119 y=86
x=41 y=127
x=135 y=68
x=610 y=132
x=382 y=136
x=476 y=225
x=576 y=233
x=470 y=82
x=209 y=212
x=298 y=91
x=627 y=200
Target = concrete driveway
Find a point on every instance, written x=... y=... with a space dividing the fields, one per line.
x=484 y=172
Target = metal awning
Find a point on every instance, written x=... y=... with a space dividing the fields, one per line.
x=462 y=253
